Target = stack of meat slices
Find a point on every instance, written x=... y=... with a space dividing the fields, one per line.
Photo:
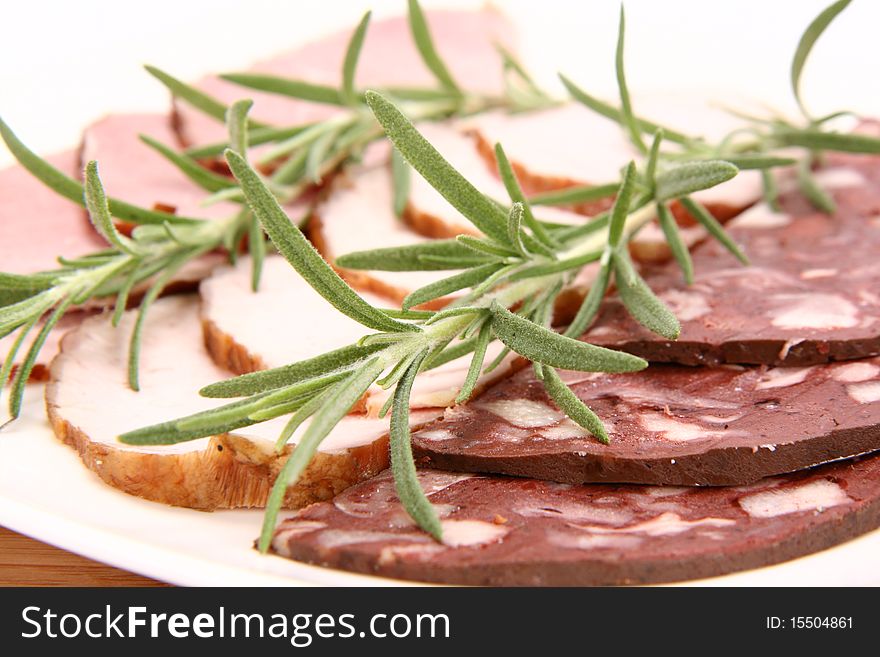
x=191 y=341
x=746 y=443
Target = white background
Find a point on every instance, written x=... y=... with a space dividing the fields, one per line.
x=63 y=64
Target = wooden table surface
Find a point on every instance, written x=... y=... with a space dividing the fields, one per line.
x=26 y=562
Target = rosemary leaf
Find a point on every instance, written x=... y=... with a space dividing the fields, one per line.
x=746 y=162
x=640 y=301
x=279 y=377
x=99 y=212
x=621 y=206
x=455 y=311
x=9 y=359
x=485 y=246
x=236 y=125
x=590 y=305
x=473 y=373
x=653 y=157
x=574 y=262
x=349 y=64
x=406 y=480
x=550 y=348
x=400 y=178
x=295 y=394
x=187 y=165
x=410 y=258
x=615 y=114
x=397 y=313
x=71 y=189
x=513 y=64
x=716 y=230
x=831 y=141
x=302 y=414
x=314 y=93
x=676 y=245
x=134 y=347
x=211 y=422
x=771 y=191
x=15 y=288
x=511 y=183
x=514 y=229
x=425 y=159
x=340 y=401
x=446 y=262
x=257 y=250
x=422 y=36
x=575 y=195
x=198 y=99
x=299 y=252
x=806 y=43
x=626 y=112
x=26 y=367
x=317 y=154
x=690 y=177
x=817 y=196
x=570 y=404
x=397 y=371
x=492 y=280
x=441 y=288
x=256 y=137
x=122 y=297
x=19 y=313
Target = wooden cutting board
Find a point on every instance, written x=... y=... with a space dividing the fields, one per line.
x=26 y=562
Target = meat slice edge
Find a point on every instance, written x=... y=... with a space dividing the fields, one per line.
x=89 y=403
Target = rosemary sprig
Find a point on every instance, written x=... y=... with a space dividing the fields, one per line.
x=403 y=347
x=163 y=243
x=767 y=134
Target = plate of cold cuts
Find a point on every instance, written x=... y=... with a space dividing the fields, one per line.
x=747 y=453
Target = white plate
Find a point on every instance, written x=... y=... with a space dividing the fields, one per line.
x=47 y=493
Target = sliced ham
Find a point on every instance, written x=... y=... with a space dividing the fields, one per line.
x=572 y=145
x=132 y=171
x=668 y=425
x=809 y=296
x=464 y=39
x=236 y=322
x=504 y=531
x=89 y=404
x=37 y=225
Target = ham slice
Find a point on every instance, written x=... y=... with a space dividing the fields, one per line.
x=235 y=321
x=572 y=145
x=37 y=225
x=89 y=403
x=464 y=39
x=132 y=171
